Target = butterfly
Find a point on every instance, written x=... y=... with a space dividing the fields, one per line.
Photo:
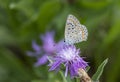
x=74 y=31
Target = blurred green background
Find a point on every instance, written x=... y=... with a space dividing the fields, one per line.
x=22 y=21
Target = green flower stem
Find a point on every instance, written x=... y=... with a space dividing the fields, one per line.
x=63 y=77
x=77 y=79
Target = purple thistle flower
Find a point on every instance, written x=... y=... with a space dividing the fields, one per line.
x=69 y=56
x=47 y=49
x=48 y=42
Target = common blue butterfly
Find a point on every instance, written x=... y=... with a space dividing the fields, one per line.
x=74 y=31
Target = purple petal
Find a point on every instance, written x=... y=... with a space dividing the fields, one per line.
x=35 y=46
x=59 y=45
x=41 y=61
x=48 y=36
x=55 y=65
x=48 y=42
x=66 y=71
x=72 y=71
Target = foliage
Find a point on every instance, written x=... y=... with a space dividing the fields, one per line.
x=21 y=21
x=99 y=71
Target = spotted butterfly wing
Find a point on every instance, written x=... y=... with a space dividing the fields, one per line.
x=74 y=31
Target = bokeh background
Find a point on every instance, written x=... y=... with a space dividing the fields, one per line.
x=22 y=21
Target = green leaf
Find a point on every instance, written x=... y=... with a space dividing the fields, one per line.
x=99 y=72
x=88 y=68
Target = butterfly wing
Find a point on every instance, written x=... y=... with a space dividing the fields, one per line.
x=74 y=31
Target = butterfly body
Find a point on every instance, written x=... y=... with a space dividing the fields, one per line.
x=74 y=31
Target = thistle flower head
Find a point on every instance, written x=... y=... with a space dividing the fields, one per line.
x=69 y=56
x=48 y=48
